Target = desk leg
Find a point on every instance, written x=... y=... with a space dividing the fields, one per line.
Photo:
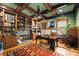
x=36 y=41
x=56 y=42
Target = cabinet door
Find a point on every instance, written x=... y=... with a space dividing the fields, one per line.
x=9 y=41
x=6 y=42
x=14 y=42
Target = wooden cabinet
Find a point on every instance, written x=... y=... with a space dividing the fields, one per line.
x=72 y=37
x=9 y=41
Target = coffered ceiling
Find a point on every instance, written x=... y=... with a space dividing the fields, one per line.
x=45 y=9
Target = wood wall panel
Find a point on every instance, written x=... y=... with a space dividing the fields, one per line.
x=9 y=41
x=73 y=37
x=78 y=36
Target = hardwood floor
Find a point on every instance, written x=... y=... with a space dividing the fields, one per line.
x=66 y=51
x=62 y=49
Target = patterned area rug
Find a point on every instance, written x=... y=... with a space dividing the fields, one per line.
x=32 y=50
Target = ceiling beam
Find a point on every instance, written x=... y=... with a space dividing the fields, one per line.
x=5 y=7
x=32 y=10
x=66 y=13
x=49 y=7
x=59 y=5
x=76 y=7
x=21 y=6
x=56 y=6
x=12 y=11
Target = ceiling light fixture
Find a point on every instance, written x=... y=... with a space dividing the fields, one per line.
x=60 y=10
x=39 y=17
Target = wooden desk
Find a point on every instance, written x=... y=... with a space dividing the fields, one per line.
x=51 y=41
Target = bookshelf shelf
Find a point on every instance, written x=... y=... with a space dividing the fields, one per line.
x=36 y=26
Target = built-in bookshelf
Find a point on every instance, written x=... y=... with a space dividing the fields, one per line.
x=21 y=23
x=25 y=34
x=12 y=23
x=1 y=20
x=9 y=23
x=0 y=24
x=36 y=26
x=28 y=28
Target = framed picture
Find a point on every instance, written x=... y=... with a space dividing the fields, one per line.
x=9 y=18
x=51 y=24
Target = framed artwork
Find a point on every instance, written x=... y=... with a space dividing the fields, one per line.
x=9 y=18
x=51 y=24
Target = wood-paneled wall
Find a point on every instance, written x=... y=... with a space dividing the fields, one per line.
x=74 y=36
x=78 y=36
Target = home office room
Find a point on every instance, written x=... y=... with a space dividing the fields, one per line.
x=39 y=29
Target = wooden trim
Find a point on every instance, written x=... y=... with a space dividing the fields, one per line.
x=1 y=13
x=30 y=9
x=12 y=11
x=47 y=6
x=55 y=16
x=21 y=7
x=15 y=19
x=61 y=19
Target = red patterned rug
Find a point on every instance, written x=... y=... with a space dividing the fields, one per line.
x=32 y=50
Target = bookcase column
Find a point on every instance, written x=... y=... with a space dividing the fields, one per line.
x=3 y=18
x=15 y=22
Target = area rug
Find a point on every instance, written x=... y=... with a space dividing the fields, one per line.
x=32 y=50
